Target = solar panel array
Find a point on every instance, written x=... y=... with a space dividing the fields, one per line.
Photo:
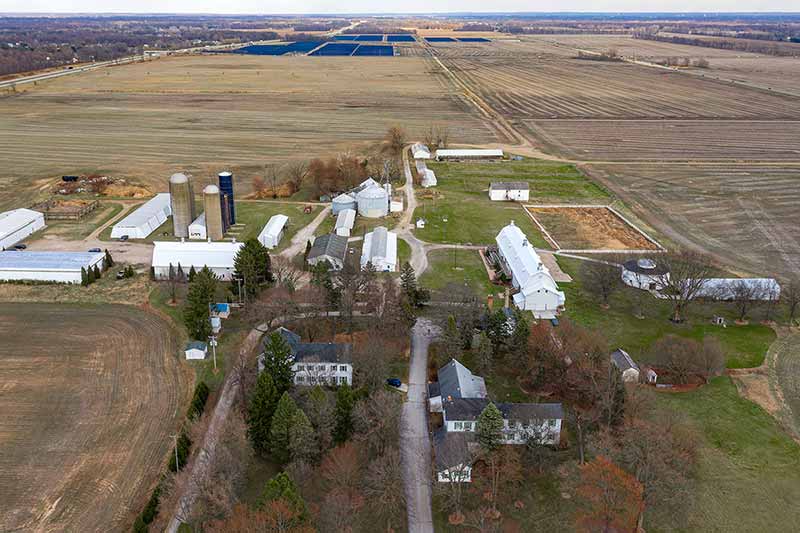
x=457 y=39
x=392 y=38
x=278 y=49
x=400 y=38
x=353 y=49
x=375 y=50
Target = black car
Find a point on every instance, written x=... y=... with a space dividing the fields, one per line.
x=124 y=238
x=394 y=382
x=20 y=246
x=94 y=250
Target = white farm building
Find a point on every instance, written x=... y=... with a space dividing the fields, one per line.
x=345 y=221
x=380 y=249
x=272 y=233
x=17 y=225
x=468 y=153
x=643 y=273
x=536 y=289
x=509 y=191
x=218 y=256
x=197 y=229
x=145 y=220
x=420 y=151
x=57 y=267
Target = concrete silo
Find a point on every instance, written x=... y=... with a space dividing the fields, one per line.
x=373 y=202
x=182 y=203
x=211 y=202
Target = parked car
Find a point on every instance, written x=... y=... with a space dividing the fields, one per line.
x=124 y=238
x=95 y=250
x=394 y=382
x=20 y=246
x=121 y=274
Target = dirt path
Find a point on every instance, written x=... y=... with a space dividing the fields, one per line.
x=300 y=238
x=419 y=257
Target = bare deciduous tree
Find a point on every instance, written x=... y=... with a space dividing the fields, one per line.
x=790 y=294
x=745 y=295
x=396 y=139
x=602 y=279
x=296 y=173
x=686 y=273
x=387 y=500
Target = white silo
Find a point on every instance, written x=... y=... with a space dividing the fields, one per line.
x=373 y=202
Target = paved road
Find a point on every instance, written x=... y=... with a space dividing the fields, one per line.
x=415 y=442
x=66 y=71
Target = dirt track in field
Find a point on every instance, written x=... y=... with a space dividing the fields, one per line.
x=89 y=396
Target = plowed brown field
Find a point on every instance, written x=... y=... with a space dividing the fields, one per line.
x=89 y=396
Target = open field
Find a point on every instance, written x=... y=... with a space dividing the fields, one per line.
x=632 y=140
x=589 y=228
x=746 y=215
x=88 y=406
x=460 y=267
x=204 y=113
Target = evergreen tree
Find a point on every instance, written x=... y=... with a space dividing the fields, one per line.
x=196 y=312
x=279 y=431
x=84 y=277
x=108 y=261
x=302 y=439
x=490 y=428
x=192 y=273
x=343 y=414
x=278 y=361
x=90 y=277
x=253 y=266
x=452 y=339
x=96 y=272
x=484 y=354
x=305 y=255
x=498 y=330
x=180 y=276
x=259 y=413
x=281 y=487
x=408 y=282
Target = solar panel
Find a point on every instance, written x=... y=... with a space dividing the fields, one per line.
x=400 y=38
x=440 y=39
x=370 y=38
x=335 y=49
x=374 y=50
x=263 y=49
x=473 y=40
x=304 y=46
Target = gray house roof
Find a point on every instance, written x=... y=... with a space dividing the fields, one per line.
x=622 y=360
x=509 y=186
x=322 y=352
x=330 y=245
x=456 y=381
x=196 y=345
x=468 y=409
x=451 y=449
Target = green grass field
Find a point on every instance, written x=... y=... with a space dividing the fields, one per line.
x=467 y=268
x=472 y=218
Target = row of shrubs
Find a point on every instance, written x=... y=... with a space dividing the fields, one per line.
x=184 y=446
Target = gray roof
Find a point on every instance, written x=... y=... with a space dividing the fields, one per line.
x=451 y=448
x=644 y=265
x=456 y=381
x=196 y=345
x=330 y=245
x=470 y=408
x=322 y=352
x=622 y=360
x=58 y=261
x=433 y=390
x=509 y=185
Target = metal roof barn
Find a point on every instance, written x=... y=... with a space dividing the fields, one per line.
x=217 y=256
x=145 y=220
x=345 y=222
x=380 y=249
x=331 y=248
x=58 y=267
x=272 y=233
x=469 y=153
x=18 y=224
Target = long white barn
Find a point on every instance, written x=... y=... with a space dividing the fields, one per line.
x=145 y=220
x=217 y=256
x=537 y=290
x=17 y=225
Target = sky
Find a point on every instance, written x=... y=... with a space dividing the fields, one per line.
x=363 y=6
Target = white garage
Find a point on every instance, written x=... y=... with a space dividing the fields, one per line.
x=145 y=220
x=56 y=267
x=17 y=225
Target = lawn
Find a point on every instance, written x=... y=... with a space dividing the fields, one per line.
x=362 y=225
x=745 y=346
x=463 y=212
x=465 y=268
x=748 y=476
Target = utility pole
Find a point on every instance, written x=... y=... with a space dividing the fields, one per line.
x=212 y=341
x=177 y=464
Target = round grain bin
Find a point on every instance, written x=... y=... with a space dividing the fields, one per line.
x=182 y=203
x=373 y=202
x=211 y=202
x=342 y=202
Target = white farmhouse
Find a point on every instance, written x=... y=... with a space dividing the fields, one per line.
x=316 y=363
x=272 y=233
x=626 y=365
x=217 y=256
x=380 y=249
x=536 y=290
x=521 y=421
x=17 y=225
x=145 y=220
x=509 y=191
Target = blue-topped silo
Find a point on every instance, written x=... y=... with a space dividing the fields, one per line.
x=226 y=188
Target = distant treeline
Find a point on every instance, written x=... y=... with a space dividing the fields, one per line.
x=758 y=47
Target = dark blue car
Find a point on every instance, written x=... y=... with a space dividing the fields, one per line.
x=394 y=382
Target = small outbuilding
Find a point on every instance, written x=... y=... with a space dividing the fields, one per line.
x=345 y=221
x=626 y=365
x=197 y=229
x=145 y=220
x=468 y=153
x=196 y=350
x=17 y=225
x=272 y=233
x=509 y=191
x=428 y=178
x=420 y=151
x=380 y=249
x=331 y=248
x=643 y=273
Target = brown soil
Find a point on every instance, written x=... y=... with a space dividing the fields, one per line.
x=590 y=228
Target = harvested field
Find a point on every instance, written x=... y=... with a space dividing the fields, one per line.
x=203 y=113
x=552 y=87
x=589 y=228
x=745 y=214
x=632 y=140
x=90 y=395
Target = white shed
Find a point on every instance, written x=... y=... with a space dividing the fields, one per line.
x=626 y=365
x=505 y=191
x=345 y=221
x=218 y=256
x=145 y=220
x=18 y=224
x=380 y=249
x=272 y=233
x=644 y=273
x=196 y=350
x=197 y=229
x=56 y=267
x=420 y=151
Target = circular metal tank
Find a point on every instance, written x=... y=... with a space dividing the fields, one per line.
x=373 y=202
x=342 y=202
x=211 y=202
x=181 y=198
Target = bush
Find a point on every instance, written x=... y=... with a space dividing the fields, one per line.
x=184 y=444
x=139 y=526
x=199 y=400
